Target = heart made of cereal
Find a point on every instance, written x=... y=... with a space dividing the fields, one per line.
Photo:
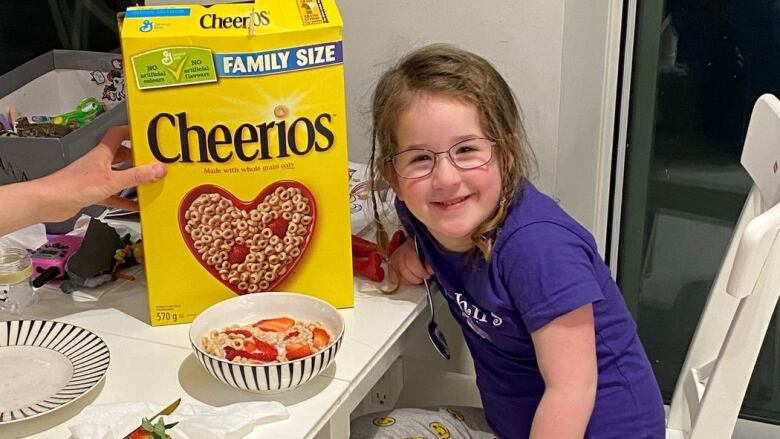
x=251 y=246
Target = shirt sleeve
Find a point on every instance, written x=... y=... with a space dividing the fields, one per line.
x=549 y=271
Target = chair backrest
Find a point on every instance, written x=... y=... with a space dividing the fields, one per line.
x=731 y=330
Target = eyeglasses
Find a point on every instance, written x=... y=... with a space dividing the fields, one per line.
x=419 y=162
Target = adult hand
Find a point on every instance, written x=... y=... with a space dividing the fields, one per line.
x=408 y=264
x=92 y=180
x=88 y=180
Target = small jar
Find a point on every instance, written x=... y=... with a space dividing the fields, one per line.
x=16 y=291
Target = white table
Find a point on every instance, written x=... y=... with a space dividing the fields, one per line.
x=156 y=364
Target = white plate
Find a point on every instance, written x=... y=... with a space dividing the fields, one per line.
x=46 y=365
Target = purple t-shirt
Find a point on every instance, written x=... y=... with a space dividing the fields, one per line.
x=544 y=265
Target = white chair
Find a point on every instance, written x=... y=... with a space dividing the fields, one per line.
x=723 y=352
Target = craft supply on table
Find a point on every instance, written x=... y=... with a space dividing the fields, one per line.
x=49 y=260
x=88 y=109
x=16 y=291
x=41 y=125
x=24 y=128
x=96 y=261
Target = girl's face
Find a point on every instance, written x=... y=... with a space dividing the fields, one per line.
x=451 y=202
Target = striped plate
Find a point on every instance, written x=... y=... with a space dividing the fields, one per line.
x=46 y=365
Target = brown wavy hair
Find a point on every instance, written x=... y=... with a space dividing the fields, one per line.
x=469 y=78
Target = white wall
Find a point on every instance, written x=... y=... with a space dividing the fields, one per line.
x=522 y=39
x=589 y=74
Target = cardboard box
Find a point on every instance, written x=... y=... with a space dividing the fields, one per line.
x=245 y=102
x=52 y=84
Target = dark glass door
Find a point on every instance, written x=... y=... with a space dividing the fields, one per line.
x=698 y=67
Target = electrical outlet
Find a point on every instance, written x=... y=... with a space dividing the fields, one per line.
x=386 y=391
x=380 y=394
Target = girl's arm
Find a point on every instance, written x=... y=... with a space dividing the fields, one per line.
x=566 y=354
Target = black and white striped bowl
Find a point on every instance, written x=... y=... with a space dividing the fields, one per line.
x=46 y=366
x=249 y=308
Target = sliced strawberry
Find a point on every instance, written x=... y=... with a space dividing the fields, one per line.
x=320 y=338
x=278 y=227
x=230 y=353
x=279 y=324
x=297 y=350
x=238 y=254
x=291 y=335
x=265 y=351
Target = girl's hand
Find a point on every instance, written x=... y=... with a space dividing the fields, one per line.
x=408 y=264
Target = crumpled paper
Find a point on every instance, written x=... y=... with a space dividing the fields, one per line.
x=30 y=237
x=359 y=203
x=390 y=282
x=388 y=285
x=115 y=421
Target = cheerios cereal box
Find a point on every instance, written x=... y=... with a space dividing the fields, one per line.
x=245 y=104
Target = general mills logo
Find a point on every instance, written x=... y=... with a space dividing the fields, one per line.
x=146 y=26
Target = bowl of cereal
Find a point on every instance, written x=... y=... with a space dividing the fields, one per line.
x=268 y=342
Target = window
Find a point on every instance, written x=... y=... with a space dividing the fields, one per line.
x=698 y=68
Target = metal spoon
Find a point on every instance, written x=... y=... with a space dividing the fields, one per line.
x=434 y=333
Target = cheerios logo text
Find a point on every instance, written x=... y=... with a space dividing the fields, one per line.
x=255 y=18
x=247 y=142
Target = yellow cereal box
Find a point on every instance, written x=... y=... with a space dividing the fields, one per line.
x=245 y=103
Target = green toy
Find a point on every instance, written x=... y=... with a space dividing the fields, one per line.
x=87 y=110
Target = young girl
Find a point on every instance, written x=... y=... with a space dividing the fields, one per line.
x=555 y=350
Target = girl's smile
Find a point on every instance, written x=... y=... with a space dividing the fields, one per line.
x=451 y=202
